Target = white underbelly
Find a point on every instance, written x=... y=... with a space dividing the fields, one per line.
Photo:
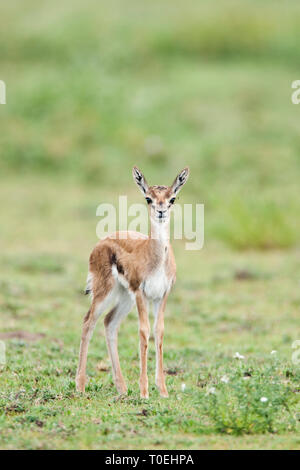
x=157 y=284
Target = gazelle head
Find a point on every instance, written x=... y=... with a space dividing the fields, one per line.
x=160 y=198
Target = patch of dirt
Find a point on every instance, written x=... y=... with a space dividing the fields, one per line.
x=243 y=275
x=23 y=335
x=248 y=373
x=143 y=412
x=97 y=421
x=15 y=408
x=173 y=371
x=102 y=367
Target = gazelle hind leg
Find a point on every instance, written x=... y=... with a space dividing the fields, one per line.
x=89 y=322
x=112 y=322
x=159 y=308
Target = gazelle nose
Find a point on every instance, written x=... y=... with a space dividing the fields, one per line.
x=161 y=212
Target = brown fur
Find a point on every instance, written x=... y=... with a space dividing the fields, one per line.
x=136 y=258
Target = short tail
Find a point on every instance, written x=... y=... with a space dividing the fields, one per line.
x=89 y=283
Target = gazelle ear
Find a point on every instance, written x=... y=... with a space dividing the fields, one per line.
x=140 y=180
x=180 y=180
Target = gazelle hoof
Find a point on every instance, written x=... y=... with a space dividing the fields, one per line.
x=80 y=384
x=121 y=388
x=162 y=389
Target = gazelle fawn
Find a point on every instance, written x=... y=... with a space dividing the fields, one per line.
x=128 y=268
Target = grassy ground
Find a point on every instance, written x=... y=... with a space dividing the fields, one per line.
x=224 y=303
x=92 y=89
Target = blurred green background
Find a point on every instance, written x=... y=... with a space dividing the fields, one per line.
x=95 y=87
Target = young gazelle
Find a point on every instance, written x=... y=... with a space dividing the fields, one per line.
x=131 y=268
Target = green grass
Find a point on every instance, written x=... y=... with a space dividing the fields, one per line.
x=92 y=89
x=224 y=303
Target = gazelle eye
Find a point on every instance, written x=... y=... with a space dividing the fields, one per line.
x=149 y=200
x=172 y=200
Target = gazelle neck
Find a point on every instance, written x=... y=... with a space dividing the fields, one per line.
x=160 y=234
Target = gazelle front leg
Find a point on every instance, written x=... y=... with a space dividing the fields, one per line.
x=159 y=308
x=144 y=330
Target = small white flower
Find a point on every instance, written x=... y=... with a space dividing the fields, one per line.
x=212 y=390
x=246 y=378
x=237 y=355
x=225 y=379
x=264 y=399
x=273 y=352
x=183 y=387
